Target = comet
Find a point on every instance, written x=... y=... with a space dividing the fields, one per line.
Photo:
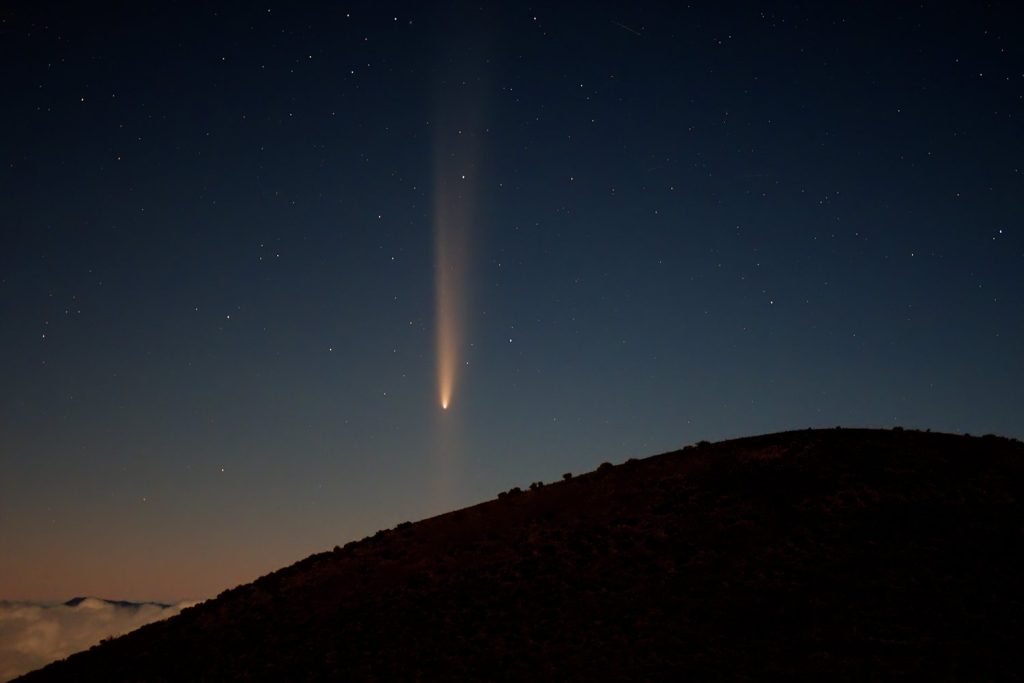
x=454 y=192
x=449 y=287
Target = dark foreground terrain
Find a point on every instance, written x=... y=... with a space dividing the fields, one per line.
x=839 y=554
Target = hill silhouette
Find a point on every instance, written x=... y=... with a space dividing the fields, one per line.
x=840 y=553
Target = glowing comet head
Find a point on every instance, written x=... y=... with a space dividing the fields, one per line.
x=445 y=357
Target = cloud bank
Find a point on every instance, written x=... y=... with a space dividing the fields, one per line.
x=35 y=634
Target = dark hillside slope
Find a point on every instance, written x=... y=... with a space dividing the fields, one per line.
x=838 y=553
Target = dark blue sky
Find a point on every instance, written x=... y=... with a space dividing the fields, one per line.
x=218 y=316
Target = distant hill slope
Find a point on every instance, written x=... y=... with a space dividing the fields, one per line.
x=828 y=553
x=127 y=604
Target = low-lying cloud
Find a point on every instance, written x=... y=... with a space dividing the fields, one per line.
x=35 y=634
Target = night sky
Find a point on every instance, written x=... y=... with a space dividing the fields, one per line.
x=247 y=252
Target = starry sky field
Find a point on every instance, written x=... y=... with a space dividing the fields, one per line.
x=244 y=248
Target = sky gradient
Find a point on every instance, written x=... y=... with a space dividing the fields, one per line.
x=244 y=247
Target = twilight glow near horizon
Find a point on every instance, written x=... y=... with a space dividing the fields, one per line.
x=275 y=277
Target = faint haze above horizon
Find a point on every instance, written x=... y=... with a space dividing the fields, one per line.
x=275 y=277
